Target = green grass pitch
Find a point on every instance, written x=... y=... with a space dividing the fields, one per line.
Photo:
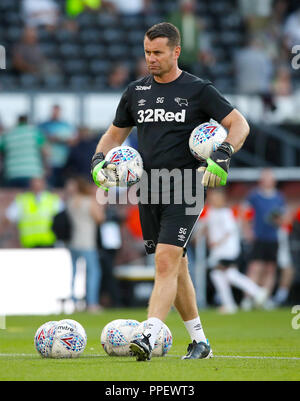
x=258 y=345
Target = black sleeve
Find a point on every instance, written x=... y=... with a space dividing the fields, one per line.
x=214 y=104
x=123 y=117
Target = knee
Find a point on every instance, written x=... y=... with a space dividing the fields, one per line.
x=167 y=263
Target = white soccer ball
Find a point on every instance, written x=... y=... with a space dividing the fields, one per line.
x=69 y=339
x=116 y=336
x=60 y=339
x=206 y=138
x=163 y=342
x=129 y=166
x=43 y=339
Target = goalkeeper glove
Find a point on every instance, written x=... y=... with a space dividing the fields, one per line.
x=102 y=178
x=216 y=171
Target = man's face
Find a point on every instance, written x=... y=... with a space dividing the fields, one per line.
x=160 y=57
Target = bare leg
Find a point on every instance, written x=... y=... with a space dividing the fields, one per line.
x=185 y=301
x=269 y=276
x=167 y=261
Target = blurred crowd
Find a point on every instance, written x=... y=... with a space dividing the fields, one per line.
x=243 y=46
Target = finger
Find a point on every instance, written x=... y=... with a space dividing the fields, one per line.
x=205 y=178
x=212 y=182
x=201 y=169
x=101 y=178
x=218 y=181
x=111 y=166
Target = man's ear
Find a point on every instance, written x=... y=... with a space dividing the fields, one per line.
x=177 y=52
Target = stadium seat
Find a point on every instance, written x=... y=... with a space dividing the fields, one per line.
x=69 y=50
x=90 y=35
x=99 y=67
x=112 y=35
x=75 y=66
x=29 y=81
x=117 y=52
x=92 y=51
x=53 y=81
x=79 y=82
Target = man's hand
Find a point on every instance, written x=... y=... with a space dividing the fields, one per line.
x=103 y=179
x=216 y=171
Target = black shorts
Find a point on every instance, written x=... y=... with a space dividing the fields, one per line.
x=265 y=251
x=166 y=224
x=228 y=262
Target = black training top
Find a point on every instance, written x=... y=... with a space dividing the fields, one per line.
x=166 y=114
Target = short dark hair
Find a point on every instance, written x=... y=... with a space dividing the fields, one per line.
x=165 y=30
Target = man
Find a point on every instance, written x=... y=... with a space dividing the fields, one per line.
x=60 y=135
x=164 y=125
x=33 y=212
x=268 y=207
x=23 y=145
x=224 y=244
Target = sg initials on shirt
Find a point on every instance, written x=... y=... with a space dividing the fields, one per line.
x=158 y=115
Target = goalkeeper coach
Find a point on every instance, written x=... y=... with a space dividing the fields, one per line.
x=166 y=106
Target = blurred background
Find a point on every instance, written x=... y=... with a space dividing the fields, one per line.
x=66 y=65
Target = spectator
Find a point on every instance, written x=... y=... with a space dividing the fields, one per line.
x=118 y=77
x=132 y=7
x=194 y=42
x=28 y=57
x=85 y=214
x=60 y=135
x=23 y=152
x=34 y=211
x=256 y=13
x=109 y=243
x=224 y=244
x=254 y=69
x=81 y=153
x=268 y=207
x=282 y=85
x=40 y=13
x=292 y=29
x=285 y=263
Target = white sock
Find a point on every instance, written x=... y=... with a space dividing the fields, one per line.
x=194 y=327
x=281 y=295
x=242 y=282
x=222 y=286
x=154 y=326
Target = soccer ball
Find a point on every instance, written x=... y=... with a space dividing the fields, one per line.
x=116 y=336
x=69 y=339
x=163 y=342
x=43 y=339
x=63 y=339
x=129 y=166
x=206 y=138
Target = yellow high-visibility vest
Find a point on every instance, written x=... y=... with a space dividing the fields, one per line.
x=36 y=219
x=76 y=7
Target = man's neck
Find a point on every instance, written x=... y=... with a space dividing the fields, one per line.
x=168 y=77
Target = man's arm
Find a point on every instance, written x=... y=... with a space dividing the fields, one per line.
x=113 y=137
x=238 y=129
x=216 y=171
